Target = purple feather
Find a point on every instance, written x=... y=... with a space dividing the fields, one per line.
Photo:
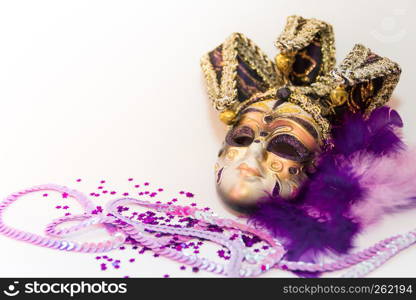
x=378 y=134
x=351 y=188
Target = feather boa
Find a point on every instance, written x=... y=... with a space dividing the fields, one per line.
x=367 y=173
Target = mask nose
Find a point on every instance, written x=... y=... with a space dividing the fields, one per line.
x=255 y=155
x=256 y=150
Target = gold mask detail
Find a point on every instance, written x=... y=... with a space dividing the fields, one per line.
x=265 y=152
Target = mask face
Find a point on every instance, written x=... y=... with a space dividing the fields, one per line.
x=268 y=151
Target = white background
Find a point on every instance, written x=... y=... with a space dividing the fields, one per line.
x=113 y=89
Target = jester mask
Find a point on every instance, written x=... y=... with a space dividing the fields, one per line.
x=310 y=145
x=279 y=113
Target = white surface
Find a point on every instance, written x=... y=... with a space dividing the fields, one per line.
x=113 y=89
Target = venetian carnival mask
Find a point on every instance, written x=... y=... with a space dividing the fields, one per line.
x=268 y=150
x=280 y=113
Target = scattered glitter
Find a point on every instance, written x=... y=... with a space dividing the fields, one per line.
x=97 y=210
x=233 y=237
x=221 y=253
x=179 y=243
x=248 y=241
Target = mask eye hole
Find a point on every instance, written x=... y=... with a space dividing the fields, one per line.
x=241 y=136
x=289 y=147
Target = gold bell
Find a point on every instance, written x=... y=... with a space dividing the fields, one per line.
x=227 y=116
x=338 y=96
x=284 y=63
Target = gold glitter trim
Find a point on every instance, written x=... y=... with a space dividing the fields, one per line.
x=299 y=33
x=267 y=95
x=356 y=68
x=313 y=109
x=211 y=81
x=224 y=94
x=361 y=66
